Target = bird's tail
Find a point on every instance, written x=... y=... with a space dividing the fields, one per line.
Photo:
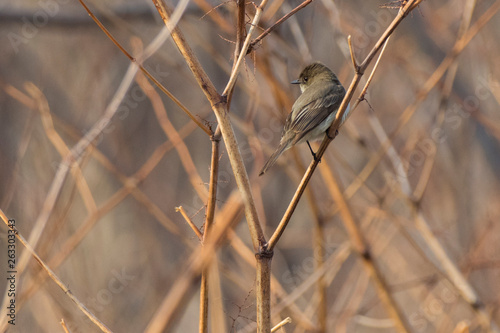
x=284 y=145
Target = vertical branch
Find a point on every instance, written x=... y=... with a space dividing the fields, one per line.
x=244 y=48
x=240 y=38
x=165 y=316
x=240 y=29
x=212 y=196
x=319 y=259
x=220 y=107
x=263 y=291
x=264 y=259
x=214 y=169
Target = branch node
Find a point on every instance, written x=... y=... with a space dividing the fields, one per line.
x=334 y=136
x=216 y=136
x=366 y=254
x=222 y=99
x=477 y=304
x=264 y=252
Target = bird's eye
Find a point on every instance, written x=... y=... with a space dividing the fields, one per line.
x=306 y=78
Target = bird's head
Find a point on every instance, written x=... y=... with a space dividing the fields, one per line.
x=315 y=72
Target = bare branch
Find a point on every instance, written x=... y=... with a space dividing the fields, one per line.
x=277 y=24
x=190 y=222
x=54 y=277
x=146 y=72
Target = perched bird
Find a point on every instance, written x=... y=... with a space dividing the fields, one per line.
x=313 y=112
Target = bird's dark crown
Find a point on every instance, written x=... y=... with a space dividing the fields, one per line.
x=316 y=71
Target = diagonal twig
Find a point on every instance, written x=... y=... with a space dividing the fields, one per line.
x=276 y=25
x=54 y=277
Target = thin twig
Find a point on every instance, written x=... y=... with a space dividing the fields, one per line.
x=240 y=39
x=370 y=78
x=200 y=75
x=431 y=82
x=190 y=222
x=64 y=326
x=244 y=48
x=200 y=259
x=212 y=197
x=282 y=323
x=277 y=24
x=353 y=56
x=60 y=145
x=54 y=277
x=139 y=62
x=173 y=135
x=219 y=106
x=214 y=15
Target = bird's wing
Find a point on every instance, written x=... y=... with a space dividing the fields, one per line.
x=314 y=110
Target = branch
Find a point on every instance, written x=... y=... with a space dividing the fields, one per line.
x=244 y=48
x=146 y=72
x=219 y=106
x=212 y=196
x=163 y=319
x=54 y=277
x=277 y=24
x=173 y=135
x=201 y=77
x=190 y=222
x=431 y=82
x=353 y=231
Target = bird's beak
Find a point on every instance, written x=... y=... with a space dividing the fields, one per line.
x=295 y=82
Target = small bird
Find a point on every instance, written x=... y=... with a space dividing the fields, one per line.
x=313 y=112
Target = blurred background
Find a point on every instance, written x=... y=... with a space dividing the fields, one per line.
x=418 y=163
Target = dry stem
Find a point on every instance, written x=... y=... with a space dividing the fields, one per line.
x=277 y=24
x=214 y=172
x=139 y=61
x=219 y=106
x=54 y=277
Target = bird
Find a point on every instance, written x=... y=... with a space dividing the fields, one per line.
x=313 y=112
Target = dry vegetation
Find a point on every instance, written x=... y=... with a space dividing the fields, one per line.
x=103 y=173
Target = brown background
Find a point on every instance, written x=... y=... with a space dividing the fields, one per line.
x=145 y=242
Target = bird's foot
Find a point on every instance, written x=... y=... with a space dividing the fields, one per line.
x=313 y=153
x=316 y=159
